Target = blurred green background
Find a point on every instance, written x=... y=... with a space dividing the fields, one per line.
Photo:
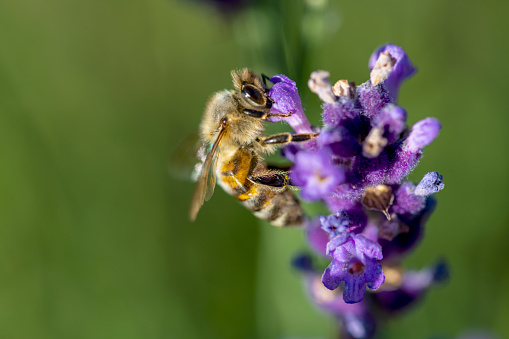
x=94 y=97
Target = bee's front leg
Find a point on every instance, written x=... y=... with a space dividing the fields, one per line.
x=264 y=115
x=285 y=138
x=265 y=78
x=271 y=178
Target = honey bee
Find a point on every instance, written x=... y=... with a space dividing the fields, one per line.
x=232 y=131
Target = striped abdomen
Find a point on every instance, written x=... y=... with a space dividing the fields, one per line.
x=276 y=205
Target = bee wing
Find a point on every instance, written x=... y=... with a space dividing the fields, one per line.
x=207 y=178
x=188 y=157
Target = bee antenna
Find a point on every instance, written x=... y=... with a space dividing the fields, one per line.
x=265 y=78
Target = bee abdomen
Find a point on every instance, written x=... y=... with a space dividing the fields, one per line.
x=279 y=208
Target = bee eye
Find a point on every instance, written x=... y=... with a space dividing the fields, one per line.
x=254 y=95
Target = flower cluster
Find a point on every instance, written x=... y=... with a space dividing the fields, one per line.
x=357 y=166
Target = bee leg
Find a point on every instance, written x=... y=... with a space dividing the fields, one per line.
x=285 y=138
x=273 y=179
x=263 y=115
x=279 y=168
x=265 y=78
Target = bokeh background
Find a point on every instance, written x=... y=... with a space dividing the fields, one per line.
x=95 y=96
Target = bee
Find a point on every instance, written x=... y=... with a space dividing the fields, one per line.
x=232 y=133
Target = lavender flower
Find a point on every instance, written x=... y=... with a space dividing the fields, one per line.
x=356 y=166
x=334 y=224
x=315 y=173
x=286 y=97
x=355 y=264
x=402 y=68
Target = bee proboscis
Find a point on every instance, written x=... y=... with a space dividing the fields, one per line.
x=233 y=123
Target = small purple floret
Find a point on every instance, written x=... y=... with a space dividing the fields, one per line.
x=334 y=224
x=315 y=173
x=355 y=265
x=422 y=134
x=286 y=99
x=430 y=183
x=402 y=70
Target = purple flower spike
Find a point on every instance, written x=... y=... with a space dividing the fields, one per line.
x=430 y=183
x=356 y=163
x=422 y=134
x=402 y=69
x=355 y=264
x=286 y=97
x=315 y=173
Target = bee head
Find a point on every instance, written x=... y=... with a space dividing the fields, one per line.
x=252 y=90
x=224 y=111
